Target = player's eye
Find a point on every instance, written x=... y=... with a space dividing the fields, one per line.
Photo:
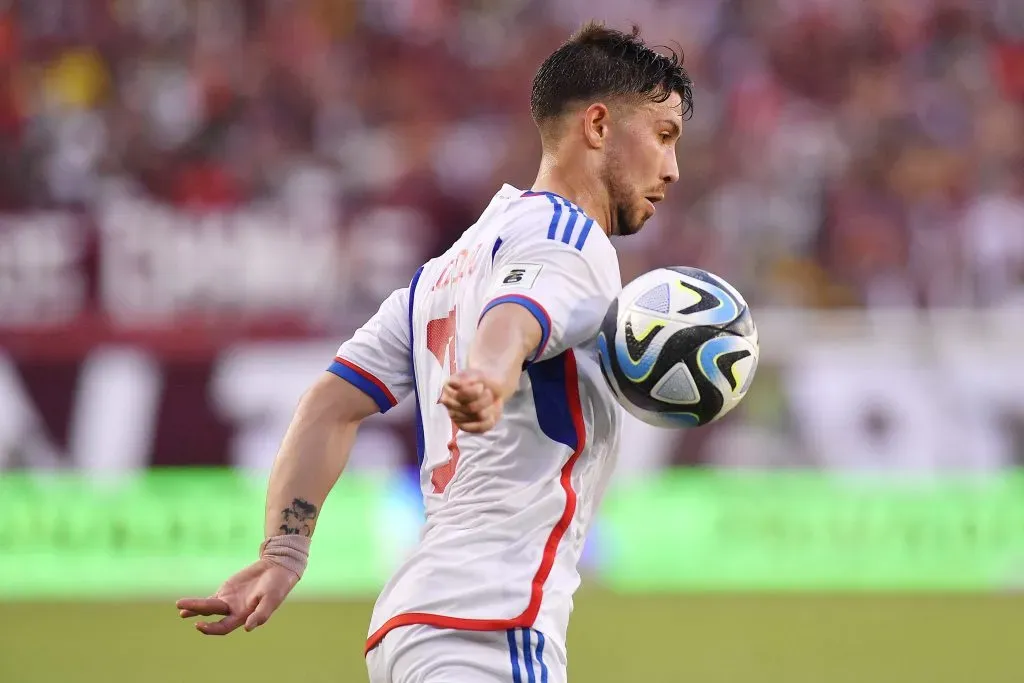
x=666 y=137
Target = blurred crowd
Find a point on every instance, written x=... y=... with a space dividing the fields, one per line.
x=842 y=152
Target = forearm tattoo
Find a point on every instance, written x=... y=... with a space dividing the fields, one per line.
x=297 y=518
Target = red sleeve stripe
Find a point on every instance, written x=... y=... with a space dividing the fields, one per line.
x=378 y=391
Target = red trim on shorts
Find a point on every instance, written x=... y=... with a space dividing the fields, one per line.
x=529 y=615
x=369 y=377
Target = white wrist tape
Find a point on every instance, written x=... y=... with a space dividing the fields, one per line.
x=290 y=551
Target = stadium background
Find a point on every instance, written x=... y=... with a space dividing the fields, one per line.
x=200 y=200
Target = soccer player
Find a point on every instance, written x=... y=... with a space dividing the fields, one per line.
x=518 y=433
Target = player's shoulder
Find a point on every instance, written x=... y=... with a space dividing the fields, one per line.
x=545 y=220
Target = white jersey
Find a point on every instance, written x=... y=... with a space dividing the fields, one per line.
x=506 y=511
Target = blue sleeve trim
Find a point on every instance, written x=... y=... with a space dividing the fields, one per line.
x=365 y=383
x=538 y=312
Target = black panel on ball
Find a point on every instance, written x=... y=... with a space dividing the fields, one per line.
x=743 y=324
x=681 y=346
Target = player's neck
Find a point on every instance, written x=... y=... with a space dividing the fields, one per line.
x=579 y=188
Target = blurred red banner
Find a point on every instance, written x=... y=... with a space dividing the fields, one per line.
x=182 y=284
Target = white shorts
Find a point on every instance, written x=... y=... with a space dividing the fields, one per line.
x=425 y=654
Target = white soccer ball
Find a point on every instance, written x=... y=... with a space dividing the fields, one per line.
x=678 y=347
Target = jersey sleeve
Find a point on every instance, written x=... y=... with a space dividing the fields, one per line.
x=567 y=288
x=377 y=359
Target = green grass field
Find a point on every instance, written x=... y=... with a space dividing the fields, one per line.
x=701 y=638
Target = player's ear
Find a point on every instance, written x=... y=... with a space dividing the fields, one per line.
x=595 y=125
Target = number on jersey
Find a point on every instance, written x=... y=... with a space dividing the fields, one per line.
x=441 y=343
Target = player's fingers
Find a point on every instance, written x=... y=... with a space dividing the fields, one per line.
x=460 y=380
x=222 y=627
x=459 y=414
x=263 y=609
x=459 y=393
x=480 y=424
x=464 y=421
x=469 y=391
x=187 y=614
x=476 y=427
x=485 y=420
x=468 y=406
x=203 y=606
x=479 y=405
x=485 y=409
x=450 y=401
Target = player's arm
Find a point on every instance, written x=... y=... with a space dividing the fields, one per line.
x=508 y=334
x=506 y=337
x=313 y=453
x=312 y=456
x=370 y=373
x=545 y=297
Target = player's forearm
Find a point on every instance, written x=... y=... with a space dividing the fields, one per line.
x=312 y=456
x=506 y=337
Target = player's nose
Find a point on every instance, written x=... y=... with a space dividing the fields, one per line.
x=670 y=172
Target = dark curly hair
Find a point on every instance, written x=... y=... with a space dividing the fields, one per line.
x=598 y=62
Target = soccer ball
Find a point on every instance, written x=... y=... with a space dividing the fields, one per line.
x=678 y=347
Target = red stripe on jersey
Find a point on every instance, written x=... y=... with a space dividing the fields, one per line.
x=547 y=562
x=572 y=390
x=369 y=377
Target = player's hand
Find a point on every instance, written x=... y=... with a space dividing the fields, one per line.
x=249 y=597
x=473 y=401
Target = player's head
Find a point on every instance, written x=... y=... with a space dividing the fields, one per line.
x=607 y=100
